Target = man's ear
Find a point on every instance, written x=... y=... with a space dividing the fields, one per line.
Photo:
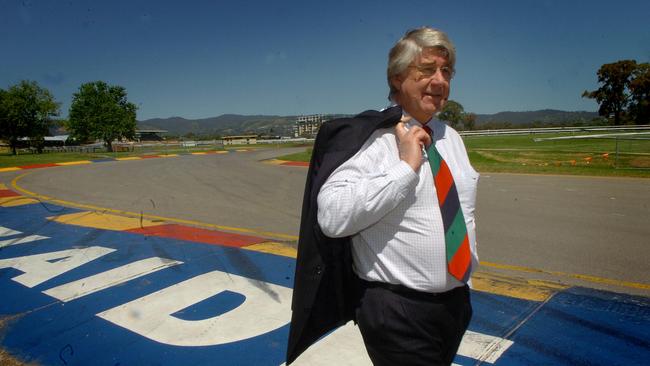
x=396 y=82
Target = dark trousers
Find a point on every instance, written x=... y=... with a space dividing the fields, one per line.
x=406 y=327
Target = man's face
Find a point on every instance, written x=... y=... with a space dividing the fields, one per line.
x=423 y=88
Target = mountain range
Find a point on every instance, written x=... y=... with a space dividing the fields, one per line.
x=233 y=124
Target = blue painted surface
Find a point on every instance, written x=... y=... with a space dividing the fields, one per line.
x=585 y=327
x=577 y=326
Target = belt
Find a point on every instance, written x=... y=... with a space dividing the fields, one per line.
x=409 y=292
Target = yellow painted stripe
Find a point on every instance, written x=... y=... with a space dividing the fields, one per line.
x=9 y=169
x=588 y=278
x=80 y=162
x=129 y=158
x=101 y=220
x=274 y=161
x=273 y=248
x=199 y=153
x=242 y=150
x=167 y=155
x=514 y=287
x=16 y=201
x=221 y=152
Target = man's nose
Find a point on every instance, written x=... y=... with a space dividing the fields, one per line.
x=438 y=77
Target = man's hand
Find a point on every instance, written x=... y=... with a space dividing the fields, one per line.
x=411 y=142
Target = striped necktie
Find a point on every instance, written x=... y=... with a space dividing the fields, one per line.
x=456 y=239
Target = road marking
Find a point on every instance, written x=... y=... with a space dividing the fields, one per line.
x=344 y=346
x=9 y=198
x=520 y=288
x=113 y=277
x=5 y=231
x=26 y=239
x=80 y=162
x=483 y=347
x=100 y=220
x=273 y=248
x=588 y=278
x=264 y=310
x=37 y=166
x=39 y=268
x=198 y=235
x=302 y=164
x=274 y=161
x=16 y=201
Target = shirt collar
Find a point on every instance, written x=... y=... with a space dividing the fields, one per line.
x=434 y=124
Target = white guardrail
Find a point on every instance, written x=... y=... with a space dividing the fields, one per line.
x=530 y=131
x=510 y=131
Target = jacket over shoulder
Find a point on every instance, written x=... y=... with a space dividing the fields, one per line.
x=324 y=293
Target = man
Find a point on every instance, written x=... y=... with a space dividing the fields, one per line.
x=387 y=234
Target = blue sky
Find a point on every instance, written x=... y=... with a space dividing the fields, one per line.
x=199 y=59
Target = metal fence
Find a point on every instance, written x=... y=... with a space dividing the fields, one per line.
x=632 y=152
x=142 y=147
x=540 y=130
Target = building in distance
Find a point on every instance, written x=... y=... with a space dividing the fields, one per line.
x=240 y=140
x=307 y=126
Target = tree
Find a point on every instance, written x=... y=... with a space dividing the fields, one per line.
x=101 y=111
x=26 y=110
x=469 y=121
x=612 y=95
x=640 y=94
x=452 y=112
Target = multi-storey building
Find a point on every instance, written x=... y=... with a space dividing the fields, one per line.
x=307 y=126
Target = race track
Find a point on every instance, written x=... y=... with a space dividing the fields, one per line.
x=576 y=225
x=189 y=259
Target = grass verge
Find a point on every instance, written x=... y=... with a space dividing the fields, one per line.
x=22 y=159
x=521 y=154
x=8 y=160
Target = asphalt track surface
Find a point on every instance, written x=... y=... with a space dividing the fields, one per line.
x=578 y=226
x=78 y=290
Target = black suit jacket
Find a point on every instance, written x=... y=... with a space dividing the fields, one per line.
x=324 y=292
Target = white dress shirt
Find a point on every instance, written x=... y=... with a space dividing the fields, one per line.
x=393 y=213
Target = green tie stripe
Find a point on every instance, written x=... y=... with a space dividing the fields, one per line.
x=434 y=159
x=455 y=235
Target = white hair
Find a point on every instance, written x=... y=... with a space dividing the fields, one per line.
x=411 y=45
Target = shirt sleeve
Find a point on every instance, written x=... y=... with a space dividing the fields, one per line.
x=362 y=190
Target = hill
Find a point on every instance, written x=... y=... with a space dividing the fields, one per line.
x=226 y=124
x=233 y=124
x=541 y=117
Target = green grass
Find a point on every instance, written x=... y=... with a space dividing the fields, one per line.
x=304 y=156
x=26 y=158
x=508 y=154
x=521 y=154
